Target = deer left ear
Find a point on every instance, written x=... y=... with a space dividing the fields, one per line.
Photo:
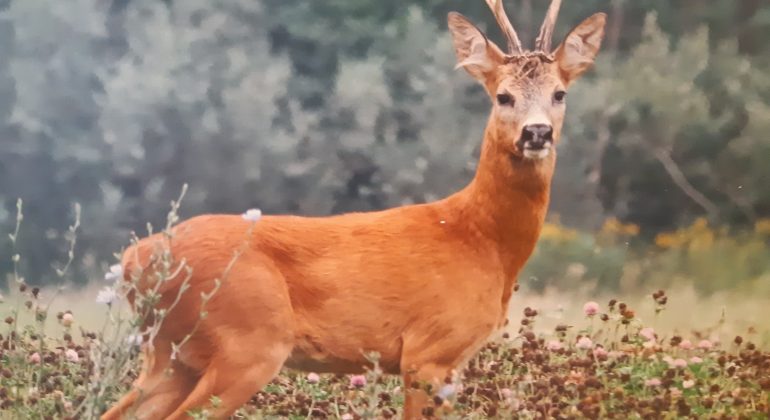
x=577 y=53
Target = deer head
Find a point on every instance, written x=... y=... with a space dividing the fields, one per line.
x=528 y=88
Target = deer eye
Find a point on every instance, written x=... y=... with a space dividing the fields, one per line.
x=559 y=95
x=504 y=99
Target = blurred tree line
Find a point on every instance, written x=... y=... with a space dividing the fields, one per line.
x=318 y=107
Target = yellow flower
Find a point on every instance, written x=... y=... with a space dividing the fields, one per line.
x=762 y=227
x=668 y=240
x=613 y=229
x=700 y=224
x=557 y=233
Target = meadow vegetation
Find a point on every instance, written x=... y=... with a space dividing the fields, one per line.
x=699 y=351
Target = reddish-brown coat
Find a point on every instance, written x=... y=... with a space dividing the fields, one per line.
x=423 y=285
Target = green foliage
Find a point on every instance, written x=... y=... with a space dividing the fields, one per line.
x=616 y=259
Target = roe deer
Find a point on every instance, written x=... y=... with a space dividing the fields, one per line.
x=422 y=285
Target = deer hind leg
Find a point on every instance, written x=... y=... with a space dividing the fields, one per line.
x=124 y=405
x=157 y=396
x=246 y=337
x=233 y=380
x=158 y=377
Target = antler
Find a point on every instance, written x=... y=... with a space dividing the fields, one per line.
x=543 y=42
x=514 y=44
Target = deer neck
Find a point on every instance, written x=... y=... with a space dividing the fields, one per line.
x=507 y=200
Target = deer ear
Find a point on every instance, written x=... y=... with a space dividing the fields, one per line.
x=577 y=53
x=475 y=53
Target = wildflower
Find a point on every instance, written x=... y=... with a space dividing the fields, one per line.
x=396 y=390
x=134 y=340
x=648 y=344
x=678 y=364
x=252 y=215
x=652 y=382
x=584 y=343
x=107 y=296
x=591 y=308
x=67 y=319
x=705 y=345
x=313 y=378
x=762 y=227
x=346 y=416
x=358 y=381
x=686 y=345
x=648 y=333
x=614 y=354
x=447 y=391
x=554 y=345
x=675 y=392
x=695 y=360
x=115 y=273
x=506 y=393
x=34 y=358
x=575 y=377
x=689 y=383
x=71 y=355
x=599 y=352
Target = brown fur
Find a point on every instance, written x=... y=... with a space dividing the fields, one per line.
x=422 y=285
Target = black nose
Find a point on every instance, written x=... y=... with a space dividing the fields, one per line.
x=536 y=135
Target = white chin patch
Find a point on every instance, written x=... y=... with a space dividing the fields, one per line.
x=537 y=154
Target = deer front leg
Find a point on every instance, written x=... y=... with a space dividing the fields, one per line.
x=426 y=361
x=420 y=385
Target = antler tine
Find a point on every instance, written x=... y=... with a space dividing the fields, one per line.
x=514 y=44
x=543 y=42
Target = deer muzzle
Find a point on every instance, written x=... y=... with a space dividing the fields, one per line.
x=536 y=141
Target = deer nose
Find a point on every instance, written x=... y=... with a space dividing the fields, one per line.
x=534 y=136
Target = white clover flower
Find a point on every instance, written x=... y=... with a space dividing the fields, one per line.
x=648 y=333
x=447 y=391
x=252 y=215
x=584 y=343
x=135 y=340
x=107 y=296
x=67 y=319
x=591 y=308
x=115 y=273
x=71 y=355
x=554 y=345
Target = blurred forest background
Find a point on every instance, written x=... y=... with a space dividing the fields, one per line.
x=319 y=107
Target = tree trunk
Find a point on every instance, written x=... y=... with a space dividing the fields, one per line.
x=684 y=184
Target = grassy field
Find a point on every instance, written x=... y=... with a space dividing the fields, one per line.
x=563 y=355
